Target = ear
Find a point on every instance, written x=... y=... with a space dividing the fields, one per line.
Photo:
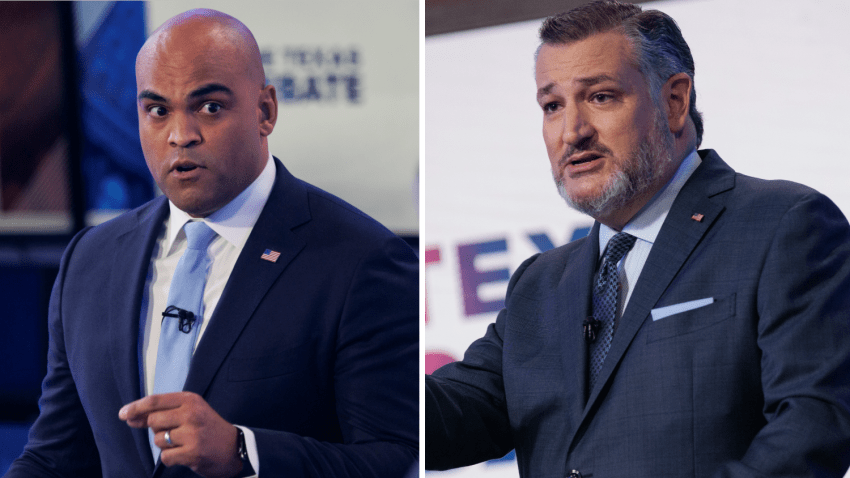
x=677 y=97
x=267 y=110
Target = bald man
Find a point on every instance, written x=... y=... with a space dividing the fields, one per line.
x=301 y=344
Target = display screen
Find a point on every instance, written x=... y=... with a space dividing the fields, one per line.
x=35 y=190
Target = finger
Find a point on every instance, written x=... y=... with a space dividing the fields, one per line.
x=166 y=419
x=159 y=439
x=133 y=417
x=183 y=450
x=201 y=452
x=136 y=413
x=173 y=456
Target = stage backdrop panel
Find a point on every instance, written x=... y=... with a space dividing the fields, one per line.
x=769 y=80
x=347 y=79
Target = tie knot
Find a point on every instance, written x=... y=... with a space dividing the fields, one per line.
x=198 y=235
x=618 y=246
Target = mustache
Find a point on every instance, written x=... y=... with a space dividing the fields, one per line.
x=583 y=147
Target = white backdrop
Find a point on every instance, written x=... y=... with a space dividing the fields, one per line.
x=357 y=139
x=771 y=77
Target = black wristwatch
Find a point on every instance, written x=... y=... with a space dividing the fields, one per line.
x=242 y=452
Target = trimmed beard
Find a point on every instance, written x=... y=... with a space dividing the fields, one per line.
x=641 y=170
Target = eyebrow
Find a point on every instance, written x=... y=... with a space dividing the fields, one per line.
x=150 y=95
x=545 y=90
x=202 y=91
x=588 y=81
x=210 y=88
x=592 y=80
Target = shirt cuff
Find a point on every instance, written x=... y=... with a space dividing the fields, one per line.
x=251 y=447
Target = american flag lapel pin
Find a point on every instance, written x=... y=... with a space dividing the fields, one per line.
x=697 y=217
x=270 y=255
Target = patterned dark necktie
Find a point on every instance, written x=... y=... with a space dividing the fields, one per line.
x=606 y=292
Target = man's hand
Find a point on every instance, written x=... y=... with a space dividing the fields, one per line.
x=201 y=439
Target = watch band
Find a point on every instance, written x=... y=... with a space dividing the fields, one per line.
x=242 y=453
x=241 y=449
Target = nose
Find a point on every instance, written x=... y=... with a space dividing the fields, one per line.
x=184 y=132
x=576 y=129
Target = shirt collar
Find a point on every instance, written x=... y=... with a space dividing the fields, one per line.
x=646 y=224
x=236 y=219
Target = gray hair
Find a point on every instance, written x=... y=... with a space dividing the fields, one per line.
x=660 y=48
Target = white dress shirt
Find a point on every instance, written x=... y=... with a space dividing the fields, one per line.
x=233 y=224
x=645 y=226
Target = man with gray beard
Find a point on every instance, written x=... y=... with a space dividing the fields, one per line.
x=701 y=329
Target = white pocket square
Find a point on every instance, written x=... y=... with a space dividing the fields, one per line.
x=662 y=312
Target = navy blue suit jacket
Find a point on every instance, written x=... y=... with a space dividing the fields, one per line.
x=755 y=384
x=317 y=352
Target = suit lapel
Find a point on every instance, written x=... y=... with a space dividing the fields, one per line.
x=573 y=306
x=679 y=236
x=252 y=276
x=130 y=266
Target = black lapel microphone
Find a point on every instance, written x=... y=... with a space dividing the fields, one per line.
x=590 y=329
x=186 y=317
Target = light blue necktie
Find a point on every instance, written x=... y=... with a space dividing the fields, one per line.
x=606 y=293
x=186 y=293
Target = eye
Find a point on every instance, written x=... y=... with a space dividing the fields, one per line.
x=551 y=106
x=211 y=108
x=157 y=111
x=601 y=97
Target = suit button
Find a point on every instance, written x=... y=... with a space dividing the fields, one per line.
x=574 y=474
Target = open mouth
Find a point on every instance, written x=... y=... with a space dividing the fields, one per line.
x=585 y=159
x=183 y=166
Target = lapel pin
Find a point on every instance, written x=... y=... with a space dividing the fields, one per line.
x=270 y=255
x=697 y=217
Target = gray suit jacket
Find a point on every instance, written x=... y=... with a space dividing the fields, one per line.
x=755 y=384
